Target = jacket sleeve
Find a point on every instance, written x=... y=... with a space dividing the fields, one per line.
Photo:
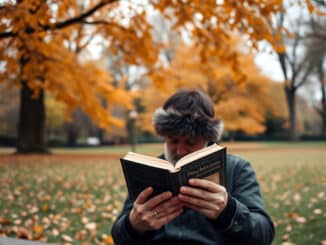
x=249 y=223
x=122 y=231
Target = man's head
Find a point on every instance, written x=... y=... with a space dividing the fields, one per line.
x=187 y=123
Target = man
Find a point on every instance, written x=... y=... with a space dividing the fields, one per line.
x=203 y=212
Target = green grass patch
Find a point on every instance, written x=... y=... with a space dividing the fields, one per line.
x=72 y=200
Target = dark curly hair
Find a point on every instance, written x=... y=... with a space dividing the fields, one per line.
x=188 y=112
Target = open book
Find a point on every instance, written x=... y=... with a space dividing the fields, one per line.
x=141 y=171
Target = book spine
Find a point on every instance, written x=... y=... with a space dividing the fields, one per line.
x=222 y=173
x=174 y=183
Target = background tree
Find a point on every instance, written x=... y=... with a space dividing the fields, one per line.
x=241 y=102
x=36 y=56
x=316 y=52
x=35 y=53
x=9 y=101
x=289 y=31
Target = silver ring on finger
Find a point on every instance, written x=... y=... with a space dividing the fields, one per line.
x=155 y=214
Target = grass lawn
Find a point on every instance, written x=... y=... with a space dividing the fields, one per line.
x=73 y=195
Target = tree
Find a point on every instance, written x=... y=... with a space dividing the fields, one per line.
x=35 y=54
x=9 y=101
x=316 y=52
x=289 y=40
x=241 y=102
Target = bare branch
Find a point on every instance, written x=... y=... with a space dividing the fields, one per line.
x=282 y=59
x=105 y=22
x=7 y=34
x=66 y=23
x=305 y=76
x=81 y=17
x=82 y=46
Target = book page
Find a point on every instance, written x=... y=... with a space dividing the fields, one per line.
x=149 y=161
x=197 y=154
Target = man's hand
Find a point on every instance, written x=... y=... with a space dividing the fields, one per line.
x=204 y=196
x=152 y=214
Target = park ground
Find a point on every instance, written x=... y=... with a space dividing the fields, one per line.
x=72 y=196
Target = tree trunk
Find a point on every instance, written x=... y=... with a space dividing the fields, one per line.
x=323 y=98
x=290 y=99
x=32 y=136
x=72 y=134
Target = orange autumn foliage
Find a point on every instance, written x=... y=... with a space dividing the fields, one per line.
x=241 y=104
x=45 y=60
x=41 y=43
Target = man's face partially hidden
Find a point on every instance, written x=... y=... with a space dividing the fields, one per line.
x=179 y=146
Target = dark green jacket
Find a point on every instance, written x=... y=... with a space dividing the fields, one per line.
x=243 y=221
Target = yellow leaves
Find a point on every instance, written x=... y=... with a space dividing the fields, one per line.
x=38 y=229
x=108 y=240
x=52 y=64
x=310 y=6
x=45 y=208
x=241 y=99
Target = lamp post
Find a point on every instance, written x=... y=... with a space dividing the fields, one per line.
x=132 y=119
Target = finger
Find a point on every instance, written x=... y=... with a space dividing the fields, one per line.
x=167 y=210
x=196 y=201
x=206 y=184
x=174 y=201
x=166 y=219
x=198 y=193
x=144 y=195
x=171 y=210
x=156 y=200
x=204 y=211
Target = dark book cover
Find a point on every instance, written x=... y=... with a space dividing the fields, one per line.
x=139 y=176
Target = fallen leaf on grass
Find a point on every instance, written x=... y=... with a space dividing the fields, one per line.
x=301 y=220
x=285 y=237
x=45 y=207
x=297 y=197
x=4 y=221
x=292 y=215
x=38 y=229
x=107 y=239
x=17 y=221
x=66 y=238
x=81 y=235
x=288 y=228
x=321 y=195
x=90 y=226
x=84 y=220
x=55 y=232
x=46 y=221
